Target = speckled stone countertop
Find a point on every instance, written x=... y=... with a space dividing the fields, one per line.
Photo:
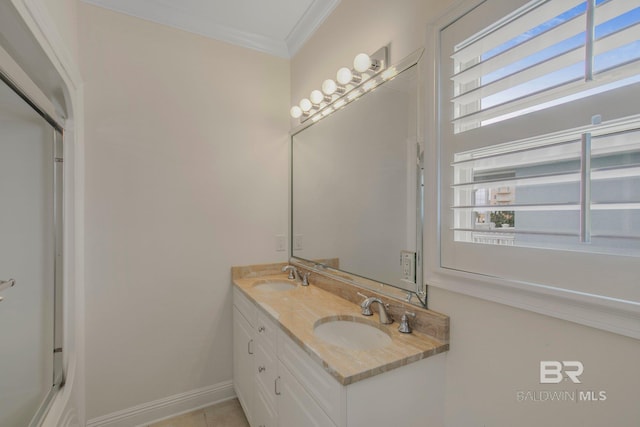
x=298 y=310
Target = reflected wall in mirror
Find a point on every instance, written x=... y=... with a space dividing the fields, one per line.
x=356 y=186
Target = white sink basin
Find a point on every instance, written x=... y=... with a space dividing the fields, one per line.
x=275 y=285
x=351 y=333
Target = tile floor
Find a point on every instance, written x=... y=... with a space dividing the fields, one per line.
x=225 y=414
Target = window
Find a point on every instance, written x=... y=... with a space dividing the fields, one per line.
x=568 y=50
x=577 y=190
x=539 y=145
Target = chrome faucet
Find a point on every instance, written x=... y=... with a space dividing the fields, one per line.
x=382 y=309
x=305 y=278
x=292 y=271
x=405 y=326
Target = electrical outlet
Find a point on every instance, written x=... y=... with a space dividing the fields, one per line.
x=297 y=242
x=281 y=243
x=408 y=266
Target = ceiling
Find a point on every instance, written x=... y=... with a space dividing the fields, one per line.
x=276 y=27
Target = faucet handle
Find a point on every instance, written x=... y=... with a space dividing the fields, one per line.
x=366 y=308
x=305 y=278
x=405 y=326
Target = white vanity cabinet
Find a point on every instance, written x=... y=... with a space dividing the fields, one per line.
x=266 y=373
x=244 y=320
x=269 y=394
x=296 y=407
x=280 y=385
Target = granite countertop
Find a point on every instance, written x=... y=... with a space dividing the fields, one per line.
x=296 y=311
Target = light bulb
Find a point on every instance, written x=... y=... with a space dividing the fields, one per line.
x=305 y=105
x=329 y=87
x=362 y=62
x=316 y=97
x=344 y=76
x=296 y=112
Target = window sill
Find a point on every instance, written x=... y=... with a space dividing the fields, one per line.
x=612 y=315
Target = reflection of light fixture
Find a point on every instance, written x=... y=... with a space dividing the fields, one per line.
x=339 y=103
x=370 y=84
x=389 y=72
x=354 y=94
x=351 y=84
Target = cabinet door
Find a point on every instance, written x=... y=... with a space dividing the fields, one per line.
x=243 y=370
x=264 y=415
x=295 y=406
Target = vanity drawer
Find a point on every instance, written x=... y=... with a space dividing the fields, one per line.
x=267 y=331
x=326 y=391
x=266 y=370
x=245 y=306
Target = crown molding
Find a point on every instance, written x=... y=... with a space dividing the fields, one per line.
x=165 y=15
x=309 y=23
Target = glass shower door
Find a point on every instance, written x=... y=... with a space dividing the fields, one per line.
x=30 y=254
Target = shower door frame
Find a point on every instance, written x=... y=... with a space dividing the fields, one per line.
x=58 y=249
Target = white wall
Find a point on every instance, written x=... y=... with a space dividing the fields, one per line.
x=186 y=175
x=495 y=349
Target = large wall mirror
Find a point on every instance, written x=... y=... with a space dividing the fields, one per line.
x=357 y=188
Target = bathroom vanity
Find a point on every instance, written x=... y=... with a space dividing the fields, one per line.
x=306 y=356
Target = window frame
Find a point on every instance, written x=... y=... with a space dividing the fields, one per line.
x=599 y=311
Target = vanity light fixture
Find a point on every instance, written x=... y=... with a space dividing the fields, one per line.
x=346 y=76
x=317 y=97
x=351 y=84
x=363 y=62
x=296 y=112
x=305 y=105
x=329 y=87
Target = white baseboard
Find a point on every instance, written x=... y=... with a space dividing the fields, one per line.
x=177 y=404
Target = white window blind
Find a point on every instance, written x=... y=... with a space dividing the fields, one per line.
x=544 y=54
x=539 y=144
x=577 y=189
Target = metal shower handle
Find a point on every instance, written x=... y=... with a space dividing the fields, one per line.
x=6 y=284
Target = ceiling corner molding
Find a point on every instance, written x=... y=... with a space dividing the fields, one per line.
x=164 y=15
x=181 y=17
x=249 y=40
x=309 y=23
